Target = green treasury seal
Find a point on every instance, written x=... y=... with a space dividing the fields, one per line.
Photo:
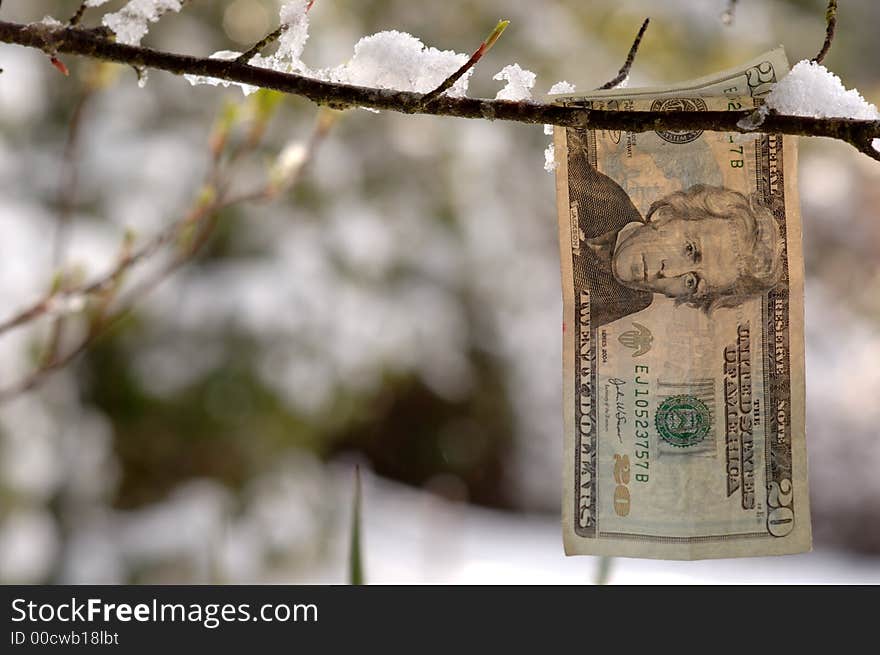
x=683 y=420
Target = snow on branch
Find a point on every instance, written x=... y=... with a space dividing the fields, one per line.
x=395 y=71
x=131 y=23
x=386 y=60
x=812 y=90
x=519 y=83
x=292 y=32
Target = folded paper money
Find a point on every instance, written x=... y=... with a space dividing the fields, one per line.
x=683 y=341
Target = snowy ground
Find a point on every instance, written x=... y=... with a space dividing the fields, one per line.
x=412 y=537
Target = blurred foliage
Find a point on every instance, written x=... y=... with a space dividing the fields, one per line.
x=227 y=425
x=230 y=426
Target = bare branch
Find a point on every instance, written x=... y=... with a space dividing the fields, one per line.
x=340 y=96
x=324 y=121
x=485 y=46
x=630 y=58
x=58 y=296
x=39 y=375
x=28 y=314
x=189 y=235
x=830 y=27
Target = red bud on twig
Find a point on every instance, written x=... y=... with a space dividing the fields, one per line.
x=57 y=63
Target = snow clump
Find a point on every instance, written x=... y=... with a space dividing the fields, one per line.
x=397 y=60
x=130 y=24
x=294 y=15
x=562 y=87
x=386 y=60
x=810 y=89
x=550 y=163
x=225 y=55
x=519 y=83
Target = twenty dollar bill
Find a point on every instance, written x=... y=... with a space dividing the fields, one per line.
x=683 y=344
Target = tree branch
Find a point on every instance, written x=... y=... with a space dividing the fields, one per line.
x=859 y=133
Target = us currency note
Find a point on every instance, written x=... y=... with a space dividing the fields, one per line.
x=683 y=355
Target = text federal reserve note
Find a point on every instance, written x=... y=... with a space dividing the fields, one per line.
x=683 y=351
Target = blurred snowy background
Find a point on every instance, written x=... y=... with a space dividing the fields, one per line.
x=400 y=309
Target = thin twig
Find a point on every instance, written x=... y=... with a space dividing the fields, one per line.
x=46 y=304
x=29 y=313
x=39 y=375
x=485 y=46
x=630 y=58
x=54 y=342
x=56 y=294
x=271 y=37
x=102 y=323
x=267 y=40
x=97 y=330
x=324 y=121
x=77 y=17
x=340 y=96
x=830 y=27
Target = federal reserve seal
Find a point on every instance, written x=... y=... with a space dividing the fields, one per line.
x=679 y=104
x=683 y=421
